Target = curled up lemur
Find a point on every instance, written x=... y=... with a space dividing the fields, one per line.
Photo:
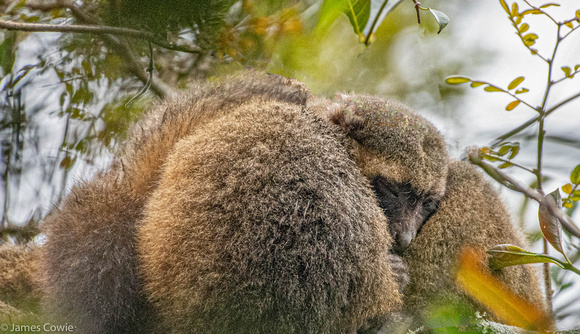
x=251 y=206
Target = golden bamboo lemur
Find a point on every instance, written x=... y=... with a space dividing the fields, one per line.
x=252 y=211
x=471 y=214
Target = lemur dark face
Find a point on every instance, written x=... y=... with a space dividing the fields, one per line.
x=406 y=208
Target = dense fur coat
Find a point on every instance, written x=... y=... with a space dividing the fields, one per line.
x=471 y=215
x=245 y=206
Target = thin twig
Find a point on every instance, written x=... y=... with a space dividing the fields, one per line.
x=472 y=155
x=97 y=30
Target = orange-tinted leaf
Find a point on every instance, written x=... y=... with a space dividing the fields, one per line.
x=495 y=295
x=512 y=105
x=457 y=80
x=516 y=82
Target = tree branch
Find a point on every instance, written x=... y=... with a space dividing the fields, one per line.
x=473 y=156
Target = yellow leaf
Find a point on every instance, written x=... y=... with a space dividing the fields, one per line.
x=478 y=282
x=567 y=205
x=457 y=80
x=491 y=88
x=477 y=84
x=512 y=105
x=569 y=25
x=505 y=6
x=523 y=28
x=516 y=82
x=567 y=188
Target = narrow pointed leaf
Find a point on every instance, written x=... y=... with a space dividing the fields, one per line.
x=505 y=165
x=441 y=18
x=516 y=82
x=505 y=6
x=512 y=105
x=491 y=88
x=549 y=4
x=509 y=255
x=457 y=80
x=549 y=224
x=477 y=84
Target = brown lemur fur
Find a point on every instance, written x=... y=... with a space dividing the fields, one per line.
x=252 y=213
x=19 y=291
x=471 y=214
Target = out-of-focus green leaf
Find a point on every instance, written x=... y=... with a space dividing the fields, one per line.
x=516 y=82
x=358 y=12
x=575 y=175
x=505 y=165
x=510 y=255
x=457 y=80
x=492 y=88
x=549 y=224
x=441 y=18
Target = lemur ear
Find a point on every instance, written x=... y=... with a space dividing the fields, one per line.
x=340 y=114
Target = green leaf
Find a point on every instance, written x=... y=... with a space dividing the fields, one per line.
x=358 y=12
x=575 y=175
x=457 y=80
x=477 y=84
x=505 y=6
x=504 y=150
x=516 y=82
x=505 y=165
x=515 y=150
x=492 y=88
x=523 y=28
x=567 y=70
x=522 y=90
x=441 y=18
x=387 y=7
x=549 y=224
x=567 y=188
x=509 y=255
